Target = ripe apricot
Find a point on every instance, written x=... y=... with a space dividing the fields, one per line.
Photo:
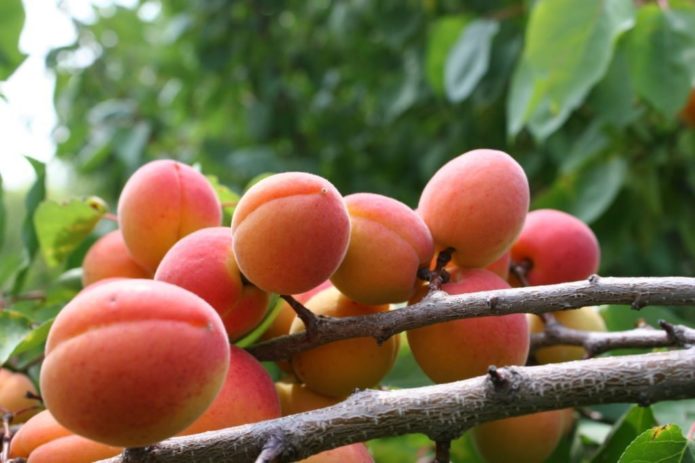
x=13 y=395
x=353 y=453
x=204 y=263
x=461 y=349
x=247 y=396
x=558 y=247
x=476 y=203
x=297 y=398
x=338 y=368
x=108 y=257
x=162 y=202
x=584 y=319
x=527 y=438
x=43 y=440
x=131 y=362
x=291 y=232
x=389 y=242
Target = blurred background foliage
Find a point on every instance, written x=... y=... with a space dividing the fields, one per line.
x=590 y=96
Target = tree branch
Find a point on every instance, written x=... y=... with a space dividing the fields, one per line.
x=597 y=342
x=441 y=411
x=440 y=307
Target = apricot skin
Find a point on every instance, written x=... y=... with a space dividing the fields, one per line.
x=389 y=242
x=353 y=453
x=13 y=389
x=131 y=362
x=338 y=368
x=291 y=232
x=297 y=398
x=584 y=319
x=108 y=257
x=43 y=440
x=162 y=202
x=476 y=203
x=203 y=263
x=461 y=349
x=526 y=438
x=559 y=246
x=247 y=396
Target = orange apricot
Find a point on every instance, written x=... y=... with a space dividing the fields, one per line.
x=389 y=242
x=131 y=362
x=338 y=368
x=291 y=232
x=13 y=395
x=461 y=349
x=476 y=203
x=297 y=398
x=108 y=257
x=204 y=263
x=162 y=202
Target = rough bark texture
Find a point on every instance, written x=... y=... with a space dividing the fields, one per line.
x=440 y=307
x=442 y=411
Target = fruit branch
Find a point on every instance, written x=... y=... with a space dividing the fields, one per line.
x=439 y=307
x=442 y=412
x=596 y=342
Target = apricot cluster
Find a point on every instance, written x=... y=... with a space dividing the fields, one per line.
x=143 y=352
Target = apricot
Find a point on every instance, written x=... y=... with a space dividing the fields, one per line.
x=584 y=319
x=162 y=202
x=353 y=453
x=109 y=257
x=527 y=438
x=43 y=440
x=476 y=203
x=297 y=398
x=13 y=395
x=461 y=349
x=338 y=368
x=247 y=396
x=389 y=242
x=204 y=263
x=291 y=232
x=558 y=247
x=500 y=267
x=131 y=362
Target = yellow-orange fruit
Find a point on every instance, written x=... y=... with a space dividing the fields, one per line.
x=353 y=453
x=526 y=438
x=43 y=440
x=338 y=368
x=584 y=319
x=108 y=257
x=203 y=263
x=247 y=396
x=291 y=232
x=297 y=398
x=389 y=242
x=500 y=267
x=461 y=349
x=687 y=114
x=13 y=395
x=568 y=420
x=162 y=202
x=558 y=246
x=476 y=203
x=131 y=362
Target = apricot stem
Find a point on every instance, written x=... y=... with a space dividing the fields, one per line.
x=271 y=450
x=439 y=276
x=520 y=270
x=442 y=452
x=6 y=436
x=307 y=316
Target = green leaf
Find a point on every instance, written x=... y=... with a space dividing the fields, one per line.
x=678 y=412
x=613 y=98
x=662 y=444
x=274 y=309
x=34 y=338
x=227 y=197
x=564 y=56
x=635 y=421
x=36 y=194
x=3 y=214
x=11 y=24
x=586 y=193
x=469 y=59
x=61 y=227
x=657 y=49
x=14 y=327
x=443 y=34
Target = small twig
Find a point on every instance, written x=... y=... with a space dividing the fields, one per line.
x=7 y=300
x=311 y=321
x=271 y=450
x=6 y=436
x=31 y=395
x=520 y=271
x=442 y=452
x=439 y=275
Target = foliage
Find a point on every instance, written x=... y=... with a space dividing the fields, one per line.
x=376 y=96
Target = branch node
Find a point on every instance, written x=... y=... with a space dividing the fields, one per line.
x=638 y=304
x=272 y=449
x=439 y=276
x=135 y=454
x=311 y=321
x=520 y=271
x=496 y=376
x=594 y=279
x=492 y=303
x=643 y=399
